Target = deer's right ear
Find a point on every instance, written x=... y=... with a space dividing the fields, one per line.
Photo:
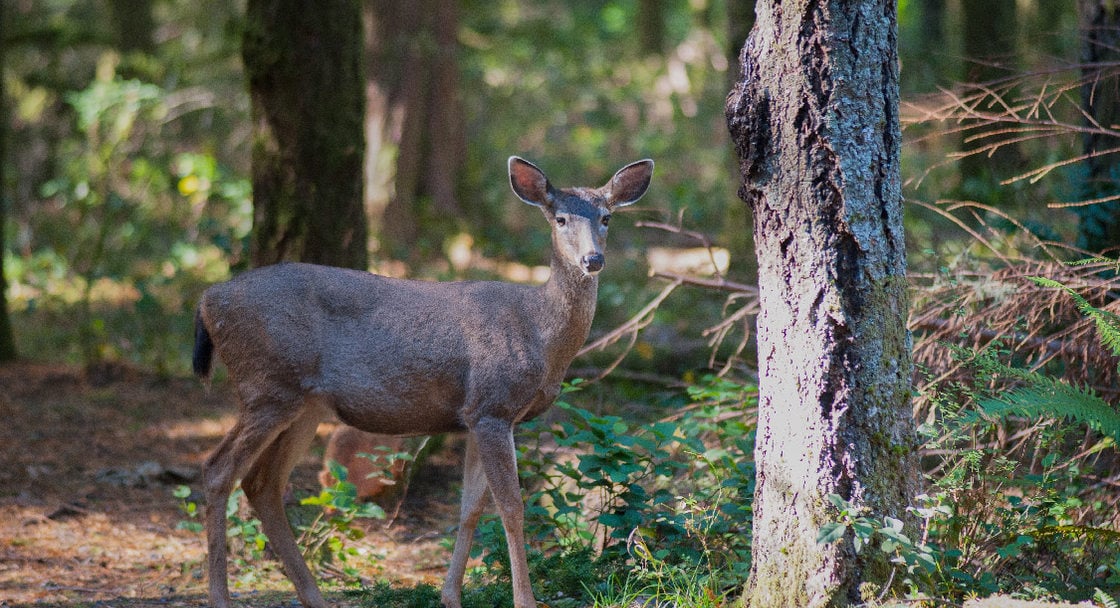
x=529 y=182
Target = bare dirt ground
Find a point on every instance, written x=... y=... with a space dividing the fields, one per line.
x=87 y=516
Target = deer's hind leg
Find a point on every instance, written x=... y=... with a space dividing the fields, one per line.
x=264 y=486
x=241 y=447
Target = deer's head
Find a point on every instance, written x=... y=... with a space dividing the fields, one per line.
x=579 y=216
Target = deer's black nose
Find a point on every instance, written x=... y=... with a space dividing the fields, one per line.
x=593 y=262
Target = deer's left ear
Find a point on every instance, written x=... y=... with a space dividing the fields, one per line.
x=529 y=183
x=630 y=183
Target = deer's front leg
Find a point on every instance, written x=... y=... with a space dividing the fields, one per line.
x=499 y=460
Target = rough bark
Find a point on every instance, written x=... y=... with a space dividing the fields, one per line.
x=814 y=119
x=1099 y=227
x=414 y=123
x=305 y=78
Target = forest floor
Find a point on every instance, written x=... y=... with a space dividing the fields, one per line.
x=87 y=515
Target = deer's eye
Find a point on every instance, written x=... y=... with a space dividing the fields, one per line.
x=560 y=221
x=606 y=219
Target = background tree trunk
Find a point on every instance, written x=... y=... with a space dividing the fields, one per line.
x=134 y=24
x=305 y=79
x=814 y=118
x=740 y=20
x=989 y=45
x=7 y=343
x=1099 y=226
x=414 y=124
x=651 y=27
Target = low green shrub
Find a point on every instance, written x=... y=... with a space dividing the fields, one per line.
x=683 y=485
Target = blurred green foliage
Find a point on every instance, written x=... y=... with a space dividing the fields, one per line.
x=128 y=183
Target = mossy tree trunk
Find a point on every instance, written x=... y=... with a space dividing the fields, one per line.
x=304 y=64
x=814 y=118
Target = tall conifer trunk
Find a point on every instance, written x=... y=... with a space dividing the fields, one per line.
x=304 y=63
x=814 y=118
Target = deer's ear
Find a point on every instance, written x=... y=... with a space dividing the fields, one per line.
x=529 y=183
x=630 y=183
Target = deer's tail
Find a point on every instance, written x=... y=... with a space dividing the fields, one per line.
x=203 y=347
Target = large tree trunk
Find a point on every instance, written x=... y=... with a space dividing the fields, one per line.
x=814 y=118
x=305 y=77
x=1099 y=227
x=414 y=124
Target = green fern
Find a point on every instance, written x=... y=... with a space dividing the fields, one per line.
x=1049 y=397
x=1104 y=599
x=1108 y=323
x=1088 y=533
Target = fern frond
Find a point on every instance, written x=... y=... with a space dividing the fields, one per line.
x=1105 y=600
x=1088 y=261
x=1047 y=397
x=1107 y=323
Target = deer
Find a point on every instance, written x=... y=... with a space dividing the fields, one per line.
x=302 y=343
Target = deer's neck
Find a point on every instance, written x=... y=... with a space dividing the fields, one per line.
x=569 y=306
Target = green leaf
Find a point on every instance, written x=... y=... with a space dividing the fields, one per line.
x=838 y=502
x=831 y=532
x=337 y=470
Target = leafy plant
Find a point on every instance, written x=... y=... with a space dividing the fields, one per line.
x=685 y=483
x=245 y=536
x=324 y=540
x=919 y=561
x=188 y=508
